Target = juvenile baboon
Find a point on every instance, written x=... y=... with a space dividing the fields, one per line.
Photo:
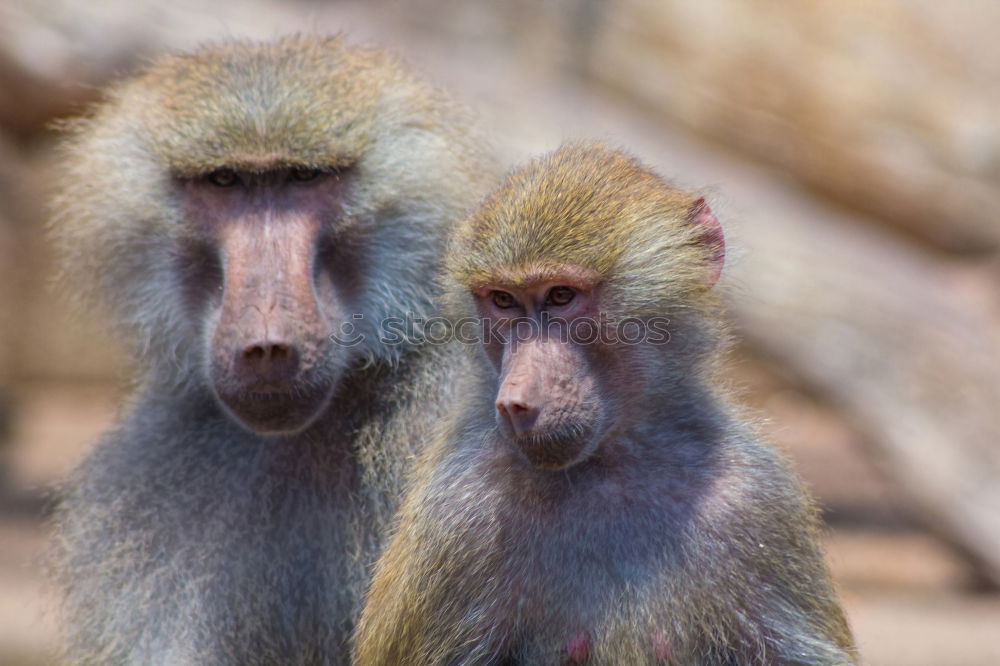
x=595 y=497
x=252 y=214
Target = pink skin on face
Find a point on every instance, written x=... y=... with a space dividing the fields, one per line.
x=548 y=402
x=268 y=349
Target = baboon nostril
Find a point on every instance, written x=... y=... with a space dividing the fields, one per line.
x=268 y=361
x=275 y=352
x=518 y=414
x=254 y=353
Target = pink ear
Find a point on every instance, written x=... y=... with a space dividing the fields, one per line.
x=702 y=216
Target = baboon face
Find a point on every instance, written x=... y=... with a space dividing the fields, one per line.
x=255 y=271
x=582 y=254
x=552 y=401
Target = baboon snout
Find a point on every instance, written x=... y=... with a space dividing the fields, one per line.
x=520 y=399
x=547 y=403
x=269 y=363
x=517 y=410
x=270 y=384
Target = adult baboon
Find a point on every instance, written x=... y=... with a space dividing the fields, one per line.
x=595 y=497
x=251 y=214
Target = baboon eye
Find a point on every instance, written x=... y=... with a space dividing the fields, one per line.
x=304 y=175
x=502 y=299
x=560 y=295
x=223 y=178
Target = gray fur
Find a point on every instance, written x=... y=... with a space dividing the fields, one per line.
x=185 y=538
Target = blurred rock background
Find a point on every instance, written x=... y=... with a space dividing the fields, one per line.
x=852 y=149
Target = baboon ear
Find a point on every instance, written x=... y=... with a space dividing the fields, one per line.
x=712 y=237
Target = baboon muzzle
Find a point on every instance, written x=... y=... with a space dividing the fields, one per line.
x=270 y=341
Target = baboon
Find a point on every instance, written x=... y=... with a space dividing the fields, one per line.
x=252 y=215
x=594 y=496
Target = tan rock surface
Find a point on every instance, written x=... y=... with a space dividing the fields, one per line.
x=889 y=105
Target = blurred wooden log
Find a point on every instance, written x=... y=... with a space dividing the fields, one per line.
x=888 y=105
x=879 y=329
x=885 y=105
x=55 y=54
